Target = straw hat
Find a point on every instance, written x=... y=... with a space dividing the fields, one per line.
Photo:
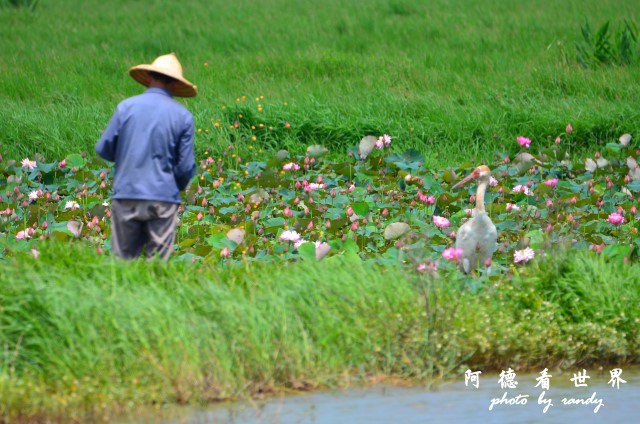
x=167 y=65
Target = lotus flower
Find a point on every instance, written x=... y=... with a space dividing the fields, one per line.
x=441 y=222
x=615 y=218
x=29 y=164
x=452 y=253
x=524 y=141
x=523 y=255
x=291 y=166
x=290 y=235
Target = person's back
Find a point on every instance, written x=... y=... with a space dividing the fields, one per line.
x=152 y=148
x=150 y=139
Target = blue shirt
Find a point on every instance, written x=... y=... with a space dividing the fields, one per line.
x=150 y=139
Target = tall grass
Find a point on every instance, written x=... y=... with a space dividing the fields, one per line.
x=455 y=80
x=86 y=337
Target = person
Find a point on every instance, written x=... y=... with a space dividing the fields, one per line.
x=150 y=140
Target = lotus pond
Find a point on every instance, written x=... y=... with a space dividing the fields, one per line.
x=379 y=203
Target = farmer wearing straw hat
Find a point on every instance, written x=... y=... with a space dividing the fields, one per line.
x=150 y=139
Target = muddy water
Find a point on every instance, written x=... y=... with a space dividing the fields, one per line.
x=453 y=402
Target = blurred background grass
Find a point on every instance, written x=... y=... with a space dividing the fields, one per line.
x=455 y=79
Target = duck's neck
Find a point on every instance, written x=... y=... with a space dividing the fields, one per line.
x=482 y=188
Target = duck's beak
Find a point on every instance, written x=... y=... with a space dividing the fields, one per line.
x=466 y=179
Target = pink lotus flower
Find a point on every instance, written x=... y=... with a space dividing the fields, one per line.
x=62 y=163
x=29 y=164
x=291 y=167
x=558 y=140
x=523 y=255
x=569 y=128
x=493 y=182
x=225 y=252
x=441 y=222
x=615 y=218
x=551 y=182
x=22 y=235
x=384 y=141
x=290 y=235
x=452 y=253
x=313 y=186
x=524 y=141
x=522 y=189
x=428 y=266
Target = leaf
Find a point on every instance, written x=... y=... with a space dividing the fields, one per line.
x=307 y=251
x=236 y=235
x=75 y=160
x=449 y=176
x=75 y=227
x=590 y=165
x=316 y=151
x=361 y=209
x=220 y=241
x=625 y=139
x=274 y=222
x=395 y=230
x=367 y=145
x=536 y=239
x=322 y=250
x=282 y=155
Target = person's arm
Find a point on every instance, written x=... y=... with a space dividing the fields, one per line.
x=106 y=146
x=185 y=167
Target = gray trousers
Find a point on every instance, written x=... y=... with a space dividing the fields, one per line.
x=139 y=223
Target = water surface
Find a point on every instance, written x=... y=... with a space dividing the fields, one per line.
x=448 y=403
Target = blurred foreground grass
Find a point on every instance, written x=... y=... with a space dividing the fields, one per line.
x=87 y=337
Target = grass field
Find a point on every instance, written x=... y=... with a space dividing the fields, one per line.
x=86 y=337
x=454 y=79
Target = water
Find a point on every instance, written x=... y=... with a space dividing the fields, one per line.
x=449 y=403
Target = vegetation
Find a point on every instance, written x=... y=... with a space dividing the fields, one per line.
x=88 y=336
x=599 y=49
x=455 y=83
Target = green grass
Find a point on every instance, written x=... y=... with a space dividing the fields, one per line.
x=86 y=336
x=454 y=79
